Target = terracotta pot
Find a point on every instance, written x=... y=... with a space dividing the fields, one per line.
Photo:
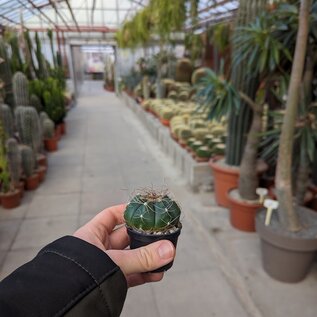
x=225 y=178
x=63 y=128
x=242 y=212
x=41 y=171
x=42 y=160
x=32 y=182
x=11 y=199
x=286 y=256
x=21 y=187
x=201 y=159
x=51 y=145
x=165 y=122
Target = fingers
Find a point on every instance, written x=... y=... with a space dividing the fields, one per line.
x=142 y=278
x=119 y=239
x=109 y=218
x=144 y=259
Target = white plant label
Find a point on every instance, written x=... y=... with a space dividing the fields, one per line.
x=270 y=205
x=262 y=192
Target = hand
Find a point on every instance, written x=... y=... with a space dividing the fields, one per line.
x=101 y=232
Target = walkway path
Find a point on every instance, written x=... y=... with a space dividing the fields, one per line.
x=106 y=155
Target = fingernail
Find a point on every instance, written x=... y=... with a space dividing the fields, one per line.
x=166 y=250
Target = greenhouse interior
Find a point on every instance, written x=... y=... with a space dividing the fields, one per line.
x=132 y=129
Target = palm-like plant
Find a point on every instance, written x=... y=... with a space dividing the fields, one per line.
x=264 y=55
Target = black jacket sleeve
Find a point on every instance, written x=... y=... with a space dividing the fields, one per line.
x=68 y=277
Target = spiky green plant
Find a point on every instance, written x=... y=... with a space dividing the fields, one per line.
x=28 y=127
x=14 y=160
x=184 y=70
x=6 y=74
x=7 y=120
x=152 y=211
x=48 y=128
x=36 y=103
x=21 y=89
x=28 y=160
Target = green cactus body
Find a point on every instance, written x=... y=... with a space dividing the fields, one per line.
x=152 y=212
x=203 y=152
x=6 y=74
x=198 y=74
x=28 y=160
x=14 y=160
x=7 y=120
x=36 y=103
x=28 y=127
x=184 y=70
x=20 y=89
x=48 y=128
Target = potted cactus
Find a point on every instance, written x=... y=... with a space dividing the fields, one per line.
x=32 y=178
x=152 y=216
x=50 y=138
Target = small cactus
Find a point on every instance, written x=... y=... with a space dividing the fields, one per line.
x=28 y=160
x=14 y=160
x=152 y=212
x=7 y=120
x=48 y=128
x=21 y=89
x=36 y=103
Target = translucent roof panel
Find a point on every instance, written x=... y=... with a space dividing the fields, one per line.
x=93 y=15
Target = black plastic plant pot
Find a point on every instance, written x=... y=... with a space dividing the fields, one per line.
x=140 y=239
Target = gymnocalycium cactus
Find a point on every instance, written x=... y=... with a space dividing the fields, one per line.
x=21 y=89
x=152 y=212
x=14 y=160
x=152 y=216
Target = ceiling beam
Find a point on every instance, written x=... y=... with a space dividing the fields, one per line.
x=52 y=2
x=140 y=3
x=40 y=11
x=72 y=14
x=217 y=4
x=88 y=29
x=8 y=19
x=93 y=11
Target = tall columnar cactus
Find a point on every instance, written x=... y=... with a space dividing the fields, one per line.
x=239 y=123
x=28 y=127
x=36 y=103
x=184 y=70
x=152 y=212
x=21 y=89
x=14 y=160
x=48 y=128
x=6 y=74
x=28 y=160
x=7 y=120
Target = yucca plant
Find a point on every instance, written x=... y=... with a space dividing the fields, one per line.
x=264 y=55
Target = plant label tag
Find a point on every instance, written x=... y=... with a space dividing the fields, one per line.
x=262 y=192
x=270 y=205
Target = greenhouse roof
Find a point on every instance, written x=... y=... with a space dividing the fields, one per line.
x=92 y=15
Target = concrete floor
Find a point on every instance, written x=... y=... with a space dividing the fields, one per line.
x=106 y=155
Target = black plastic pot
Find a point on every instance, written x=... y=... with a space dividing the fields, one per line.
x=287 y=257
x=139 y=239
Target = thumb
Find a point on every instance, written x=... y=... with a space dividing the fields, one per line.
x=144 y=259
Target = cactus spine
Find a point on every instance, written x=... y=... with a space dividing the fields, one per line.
x=7 y=120
x=14 y=160
x=239 y=123
x=28 y=161
x=48 y=128
x=28 y=127
x=152 y=212
x=20 y=89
